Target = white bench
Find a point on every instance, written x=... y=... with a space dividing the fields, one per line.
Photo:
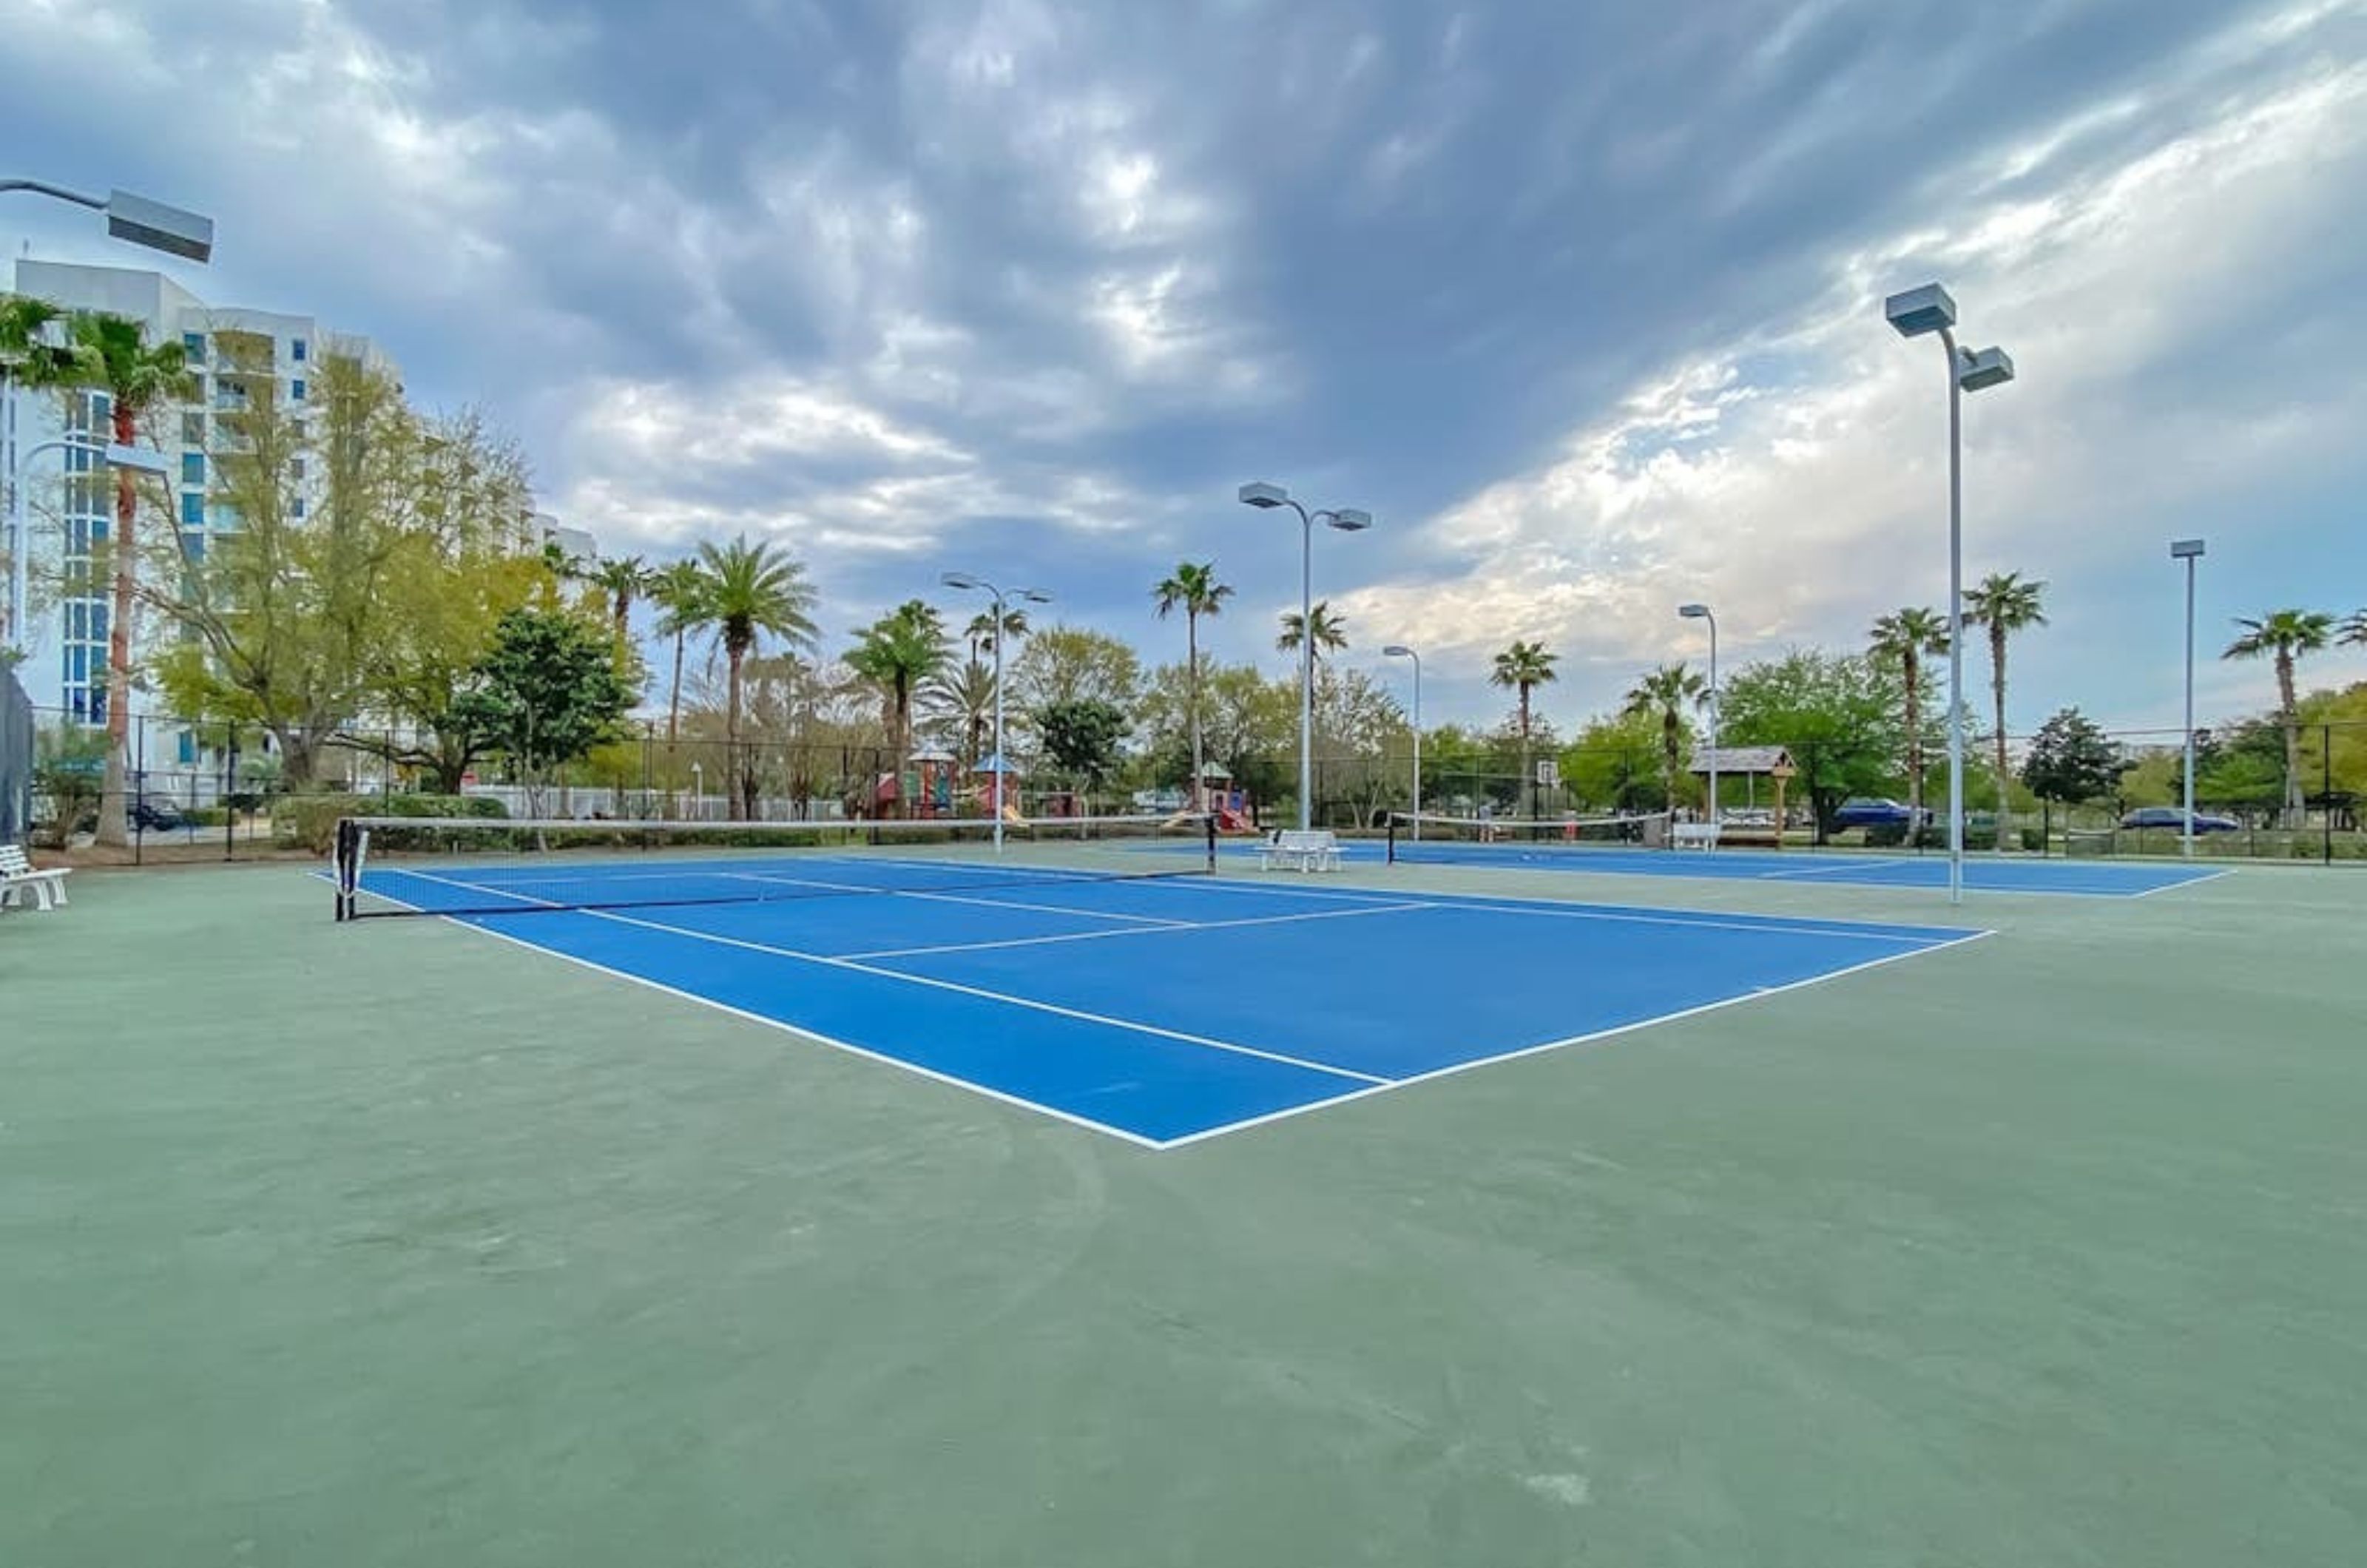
x=1295 y=849
x=17 y=878
x=1693 y=835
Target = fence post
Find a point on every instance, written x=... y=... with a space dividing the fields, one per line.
x=2326 y=794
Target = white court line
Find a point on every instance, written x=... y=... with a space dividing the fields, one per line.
x=935 y=897
x=1587 y=1039
x=2174 y=886
x=1836 y=869
x=1164 y=929
x=1028 y=1002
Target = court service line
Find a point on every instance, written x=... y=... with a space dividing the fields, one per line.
x=1103 y=1020
x=1164 y=929
x=1835 y=868
x=953 y=897
x=1587 y=1039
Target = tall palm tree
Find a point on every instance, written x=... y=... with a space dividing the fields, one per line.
x=1193 y=588
x=965 y=693
x=679 y=589
x=1907 y=637
x=2005 y=603
x=139 y=377
x=1666 y=693
x=751 y=590
x=29 y=360
x=2354 y=629
x=1330 y=630
x=984 y=631
x=898 y=653
x=2286 y=636
x=623 y=580
x=1522 y=668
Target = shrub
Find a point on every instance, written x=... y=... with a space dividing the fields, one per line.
x=311 y=820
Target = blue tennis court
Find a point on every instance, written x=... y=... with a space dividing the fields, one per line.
x=1983 y=872
x=1163 y=1010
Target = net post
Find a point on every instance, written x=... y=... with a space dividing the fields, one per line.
x=343 y=862
x=1208 y=829
x=1393 y=839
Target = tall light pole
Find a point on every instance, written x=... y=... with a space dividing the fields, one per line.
x=1348 y=519
x=1913 y=314
x=1400 y=651
x=2190 y=551
x=136 y=219
x=110 y=455
x=1702 y=612
x=1000 y=599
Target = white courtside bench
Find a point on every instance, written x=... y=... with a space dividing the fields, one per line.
x=1693 y=835
x=18 y=879
x=1295 y=849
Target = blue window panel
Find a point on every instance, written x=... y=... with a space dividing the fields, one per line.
x=193 y=468
x=227 y=516
x=184 y=748
x=194 y=345
x=296 y=350
x=98 y=615
x=296 y=506
x=97 y=705
x=193 y=509
x=296 y=391
x=79 y=459
x=78 y=663
x=193 y=545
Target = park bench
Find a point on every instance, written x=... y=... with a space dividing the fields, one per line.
x=1693 y=835
x=1294 y=849
x=18 y=879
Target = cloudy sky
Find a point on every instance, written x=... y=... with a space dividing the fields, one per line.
x=1581 y=300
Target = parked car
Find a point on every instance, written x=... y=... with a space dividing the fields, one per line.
x=155 y=816
x=2173 y=817
x=1866 y=811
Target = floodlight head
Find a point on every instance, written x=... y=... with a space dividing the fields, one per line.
x=1920 y=311
x=172 y=230
x=1348 y=519
x=2185 y=549
x=1977 y=369
x=1032 y=596
x=1398 y=650
x=1265 y=495
x=138 y=459
x=1692 y=612
x=958 y=579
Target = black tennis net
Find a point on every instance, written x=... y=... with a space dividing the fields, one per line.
x=411 y=865
x=1467 y=840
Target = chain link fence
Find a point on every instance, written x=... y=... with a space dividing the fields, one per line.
x=17 y=728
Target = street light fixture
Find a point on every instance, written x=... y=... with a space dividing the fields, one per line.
x=968 y=583
x=1400 y=651
x=2190 y=551
x=108 y=455
x=1702 y=612
x=137 y=221
x=1917 y=314
x=1348 y=519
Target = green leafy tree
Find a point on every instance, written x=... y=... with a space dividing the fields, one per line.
x=2285 y=636
x=140 y=377
x=1063 y=664
x=1080 y=738
x=1610 y=763
x=1837 y=714
x=1330 y=630
x=2071 y=759
x=679 y=589
x=546 y=692
x=1522 y=668
x=898 y=653
x=1193 y=588
x=1906 y=638
x=752 y=592
x=2003 y=602
x=1665 y=694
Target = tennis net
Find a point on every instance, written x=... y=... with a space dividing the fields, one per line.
x=1465 y=840
x=411 y=865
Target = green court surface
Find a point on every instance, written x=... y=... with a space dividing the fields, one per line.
x=395 y=1243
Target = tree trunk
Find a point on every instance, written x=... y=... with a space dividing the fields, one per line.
x=1996 y=665
x=113 y=805
x=732 y=655
x=2290 y=718
x=1192 y=692
x=1528 y=769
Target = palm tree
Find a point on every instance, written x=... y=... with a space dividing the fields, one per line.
x=983 y=631
x=679 y=589
x=2354 y=630
x=899 y=652
x=139 y=376
x=1908 y=636
x=965 y=695
x=1522 y=668
x=1193 y=588
x=1330 y=630
x=2006 y=603
x=751 y=590
x=1667 y=693
x=2285 y=636
x=623 y=580
x=27 y=361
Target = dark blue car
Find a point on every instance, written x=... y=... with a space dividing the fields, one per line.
x=1866 y=811
x=2171 y=818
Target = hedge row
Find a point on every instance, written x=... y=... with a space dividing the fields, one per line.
x=311 y=820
